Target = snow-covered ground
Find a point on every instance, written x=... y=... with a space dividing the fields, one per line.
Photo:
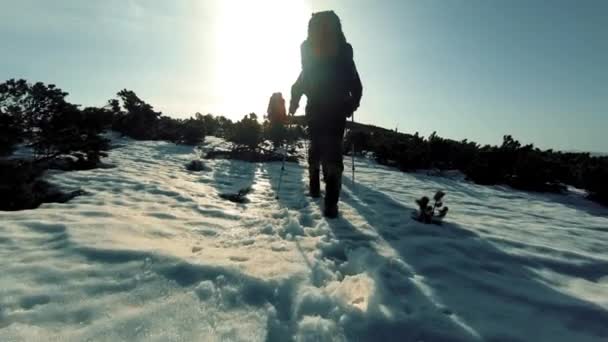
x=153 y=254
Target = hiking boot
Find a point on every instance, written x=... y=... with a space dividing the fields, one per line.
x=314 y=185
x=333 y=184
x=331 y=211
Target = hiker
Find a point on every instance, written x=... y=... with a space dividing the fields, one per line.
x=276 y=109
x=331 y=83
x=277 y=118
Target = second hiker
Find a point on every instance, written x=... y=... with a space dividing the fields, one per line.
x=277 y=119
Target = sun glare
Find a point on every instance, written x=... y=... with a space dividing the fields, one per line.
x=257 y=52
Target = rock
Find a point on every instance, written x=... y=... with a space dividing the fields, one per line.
x=239 y=197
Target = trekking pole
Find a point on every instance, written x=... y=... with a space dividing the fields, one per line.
x=282 y=168
x=352 y=140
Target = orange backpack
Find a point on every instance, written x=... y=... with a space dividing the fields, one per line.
x=276 y=109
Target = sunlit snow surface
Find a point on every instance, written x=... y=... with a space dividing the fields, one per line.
x=153 y=254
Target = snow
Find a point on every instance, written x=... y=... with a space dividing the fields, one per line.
x=152 y=253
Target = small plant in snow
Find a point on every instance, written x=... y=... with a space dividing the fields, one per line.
x=431 y=213
x=196 y=165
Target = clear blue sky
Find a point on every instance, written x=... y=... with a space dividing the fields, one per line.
x=475 y=69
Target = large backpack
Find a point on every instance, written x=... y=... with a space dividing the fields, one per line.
x=276 y=109
x=327 y=60
x=325 y=34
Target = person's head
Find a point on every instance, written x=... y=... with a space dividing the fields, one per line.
x=276 y=96
x=276 y=101
x=325 y=33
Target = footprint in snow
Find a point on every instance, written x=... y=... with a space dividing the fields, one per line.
x=28 y=302
x=239 y=258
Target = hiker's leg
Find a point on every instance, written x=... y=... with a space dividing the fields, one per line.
x=333 y=167
x=314 y=165
x=276 y=134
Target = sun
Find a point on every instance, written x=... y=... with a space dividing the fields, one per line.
x=256 y=52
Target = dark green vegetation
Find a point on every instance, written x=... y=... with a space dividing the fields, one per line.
x=22 y=188
x=39 y=116
x=428 y=213
x=59 y=135
x=63 y=135
x=520 y=166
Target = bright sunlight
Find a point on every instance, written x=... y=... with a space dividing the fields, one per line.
x=257 y=52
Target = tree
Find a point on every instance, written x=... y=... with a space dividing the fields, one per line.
x=169 y=129
x=225 y=127
x=10 y=132
x=247 y=132
x=97 y=119
x=211 y=124
x=48 y=123
x=139 y=120
x=595 y=179
x=193 y=130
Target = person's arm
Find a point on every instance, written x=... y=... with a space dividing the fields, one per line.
x=355 y=86
x=270 y=109
x=297 y=90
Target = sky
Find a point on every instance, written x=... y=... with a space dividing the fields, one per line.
x=474 y=69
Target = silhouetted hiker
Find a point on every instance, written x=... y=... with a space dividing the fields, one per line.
x=331 y=83
x=277 y=118
x=276 y=109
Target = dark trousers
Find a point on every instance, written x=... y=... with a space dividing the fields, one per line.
x=325 y=152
